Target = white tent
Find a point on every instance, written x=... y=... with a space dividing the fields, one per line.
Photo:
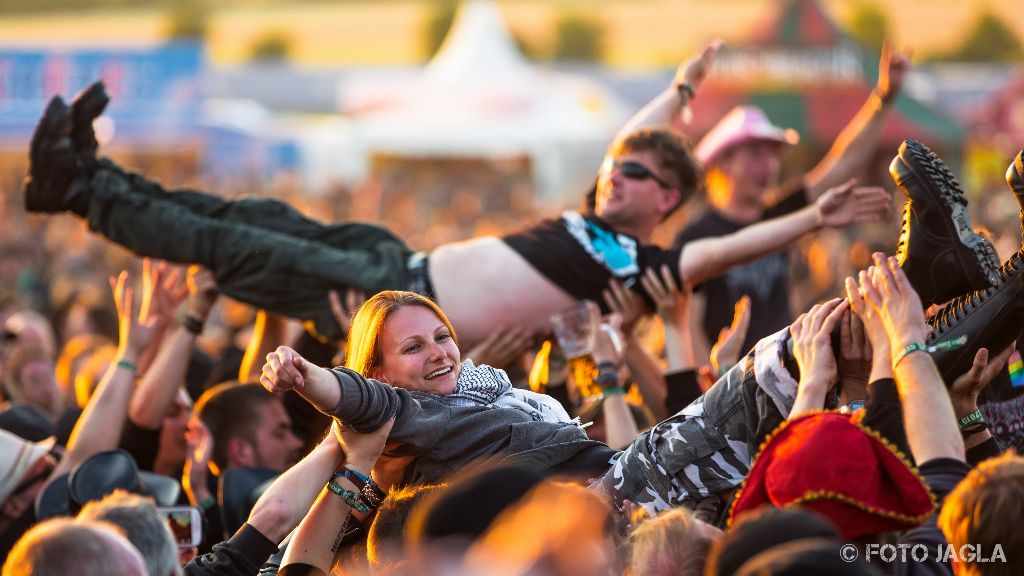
x=480 y=97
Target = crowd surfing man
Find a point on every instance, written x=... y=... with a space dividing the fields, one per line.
x=264 y=253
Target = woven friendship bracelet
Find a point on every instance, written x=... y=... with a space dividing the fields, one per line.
x=971 y=418
x=350 y=498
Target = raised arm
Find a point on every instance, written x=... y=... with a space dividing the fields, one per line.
x=318 y=536
x=857 y=143
x=347 y=396
x=838 y=207
x=927 y=411
x=166 y=375
x=285 y=370
x=670 y=102
x=99 y=427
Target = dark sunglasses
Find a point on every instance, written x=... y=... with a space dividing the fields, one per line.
x=635 y=171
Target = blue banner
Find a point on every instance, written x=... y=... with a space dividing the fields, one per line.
x=154 y=90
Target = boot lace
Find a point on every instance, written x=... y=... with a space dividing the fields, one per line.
x=961 y=307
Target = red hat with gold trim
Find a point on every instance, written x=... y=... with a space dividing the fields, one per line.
x=829 y=463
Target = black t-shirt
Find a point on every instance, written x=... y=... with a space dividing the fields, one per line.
x=765 y=281
x=579 y=253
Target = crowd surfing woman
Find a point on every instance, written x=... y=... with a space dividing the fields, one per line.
x=403 y=362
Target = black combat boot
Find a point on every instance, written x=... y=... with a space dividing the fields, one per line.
x=86 y=107
x=56 y=181
x=990 y=318
x=938 y=249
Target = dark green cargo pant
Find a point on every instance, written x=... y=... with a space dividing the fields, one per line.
x=262 y=252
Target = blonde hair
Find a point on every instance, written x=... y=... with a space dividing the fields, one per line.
x=668 y=545
x=985 y=509
x=363 y=349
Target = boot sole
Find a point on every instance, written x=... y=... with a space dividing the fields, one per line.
x=938 y=180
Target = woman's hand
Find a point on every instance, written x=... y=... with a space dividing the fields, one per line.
x=285 y=370
x=362 y=448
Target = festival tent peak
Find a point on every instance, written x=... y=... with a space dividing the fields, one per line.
x=808 y=74
x=480 y=97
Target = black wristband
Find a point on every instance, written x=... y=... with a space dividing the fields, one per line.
x=193 y=325
x=974 y=428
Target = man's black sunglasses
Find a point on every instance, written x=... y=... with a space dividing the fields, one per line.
x=636 y=171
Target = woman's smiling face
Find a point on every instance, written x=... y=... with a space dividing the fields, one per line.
x=417 y=352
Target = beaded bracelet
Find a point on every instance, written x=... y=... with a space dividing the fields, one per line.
x=350 y=498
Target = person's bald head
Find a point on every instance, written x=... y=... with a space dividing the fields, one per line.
x=62 y=546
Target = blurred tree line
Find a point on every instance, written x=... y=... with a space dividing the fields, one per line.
x=988 y=39
x=579 y=37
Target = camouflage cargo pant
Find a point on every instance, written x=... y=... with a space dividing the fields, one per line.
x=702 y=452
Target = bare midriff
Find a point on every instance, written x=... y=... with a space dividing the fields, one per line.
x=483 y=285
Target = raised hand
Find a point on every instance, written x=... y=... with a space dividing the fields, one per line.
x=671 y=303
x=202 y=292
x=199 y=442
x=135 y=333
x=343 y=313
x=501 y=348
x=893 y=68
x=812 y=348
x=626 y=303
x=694 y=70
x=692 y=73
x=887 y=290
x=726 y=351
x=965 y=389
x=848 y=204
x=162 y=291
x=362 y=449
x=285 y=370
x=609 y=341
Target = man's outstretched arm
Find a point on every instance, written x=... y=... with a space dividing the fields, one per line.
x=841 y=206
x=857 y=143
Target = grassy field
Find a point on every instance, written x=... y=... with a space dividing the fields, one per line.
x=639 y=33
